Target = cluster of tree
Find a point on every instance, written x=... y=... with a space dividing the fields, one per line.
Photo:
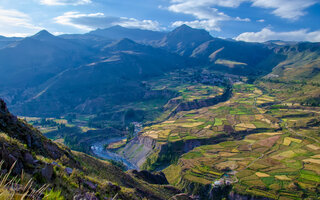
x=314 y=101
x=45 y=122
x=131 y=129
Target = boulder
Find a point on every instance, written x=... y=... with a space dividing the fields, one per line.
x=85 y=196
x=68 y=170
x=90 y=185
x=47 y=172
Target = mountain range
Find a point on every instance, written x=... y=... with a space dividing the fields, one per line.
x=37 y=70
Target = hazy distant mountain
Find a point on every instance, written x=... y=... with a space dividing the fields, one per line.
x=184 y=39
x=119 y=32
x=112 y=80
x=35 y=59
x=5 y=41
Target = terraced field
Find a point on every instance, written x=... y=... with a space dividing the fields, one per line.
x=238 y=114
x=270 y=148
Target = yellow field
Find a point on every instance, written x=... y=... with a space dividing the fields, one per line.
x=314 y=147
x=226 y=154
x=85 y=129
x=310 y=160
x=283 y=155
x=61 y=121
x=316 y=156
x=246 y=125
x=262 y=175
x=287 y=141
x=190 y=125
x=152 y=134
x=168 y=122
x=272 y=134
x=282 y=177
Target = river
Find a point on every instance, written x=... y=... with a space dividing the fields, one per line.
x=99 y=150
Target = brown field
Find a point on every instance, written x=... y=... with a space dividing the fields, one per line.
x=269 y=142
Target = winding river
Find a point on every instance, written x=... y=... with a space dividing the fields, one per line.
x=99 y=150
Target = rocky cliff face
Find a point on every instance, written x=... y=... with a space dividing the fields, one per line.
x=139 y=149
x=200 y=103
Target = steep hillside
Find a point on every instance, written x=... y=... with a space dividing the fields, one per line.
x=296 y=78
x=236 y=57
x=75 y=174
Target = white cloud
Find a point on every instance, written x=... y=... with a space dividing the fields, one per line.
x=208 y=16
x=289 y=9
x=70 y=19
x=209 y=25
x=64 y=2
x=261 y=20
x=266 y=34
x=14 y=23
x=242 y=20
x=88 y=22
x=134 y=23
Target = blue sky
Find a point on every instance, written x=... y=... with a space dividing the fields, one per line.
x=248 y=20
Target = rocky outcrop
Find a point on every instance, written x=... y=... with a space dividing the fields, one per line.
x=182 y=196
x=26 y=134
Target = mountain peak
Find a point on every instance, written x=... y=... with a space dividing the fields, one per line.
x=44 y=34
x=183 y=27
x=184 y=39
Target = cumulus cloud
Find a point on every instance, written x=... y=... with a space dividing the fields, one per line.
x=209 y=17
x=266 y=34
x=289 y=9
x=64 y=2
x=16 y=23
x=261 y=20
x=88 y=22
